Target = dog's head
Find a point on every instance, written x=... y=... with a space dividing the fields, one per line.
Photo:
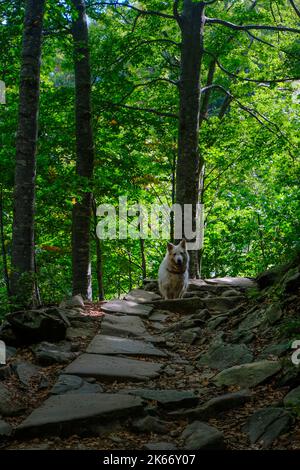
x=178 y=255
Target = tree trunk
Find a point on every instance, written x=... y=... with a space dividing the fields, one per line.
x=99 y=263
x=143 y=258
x=3 y=248
x=188 y=166
x=22 y=279
x=81 y=265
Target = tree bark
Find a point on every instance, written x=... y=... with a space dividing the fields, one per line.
x=22 y=279
x=81 y=265
x=3 y=248
x=188 y=166
x=99 y=263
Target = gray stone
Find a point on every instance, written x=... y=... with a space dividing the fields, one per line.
x=112 y=345
x=70 y=413
x=201 y=436
x=167 y=398
x=6 y=429
x=214 y=406
x=241 y=282
x=77 y=332
x=159 y=446
x=27 y=372
x=150 y=424
x=159 y=315
x=127 y=308
x=225 y=355
x=253 y=320
x=9 y=405
x=49 y=353
x=141 y=296
x=180 y=305
x=32 y=326
x=101 y=366
x=66 y=383
x=75 y=301
x=230 y=293
x=190 y=336
x=248 y=375
x=274 y=313
x=292 y=399
x=215 y=322
x=276 y=350
x=266 y=424
x=124 y=326
x=5 y=371
x=218 y=305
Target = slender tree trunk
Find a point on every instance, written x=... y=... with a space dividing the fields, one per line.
x=99 y=264
x=188 y=166
x=81 y=265
x=22 y=279
x=143 y=258
x=3 y=249
x=173 y=197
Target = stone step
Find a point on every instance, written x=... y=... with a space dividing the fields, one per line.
x=123 y=326
x=113 y=368
x=113 y=345
x=141 y=296
x=72 y=413
x=126 y=307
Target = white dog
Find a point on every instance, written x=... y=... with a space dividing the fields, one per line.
x=173 y=274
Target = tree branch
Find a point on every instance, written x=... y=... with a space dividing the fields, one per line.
x=132 y=7
x=238 y=27
x=145 y=110
x=297 y=9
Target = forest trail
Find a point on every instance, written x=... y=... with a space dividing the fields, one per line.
x=202 y=372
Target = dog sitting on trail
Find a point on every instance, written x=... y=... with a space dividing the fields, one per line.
x=173 y=274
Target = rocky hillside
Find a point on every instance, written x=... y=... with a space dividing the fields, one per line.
x=212 y=370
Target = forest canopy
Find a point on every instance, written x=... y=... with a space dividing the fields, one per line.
x=248 y=134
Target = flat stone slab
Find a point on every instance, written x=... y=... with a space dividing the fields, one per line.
x=180 y=305
x=242 y=282
x=127 y=307
x=224 y=355
x=167 y=398
x=124 y=326
x=68 y=413
x=141 y=296
x=105 y=344
x=101 y=366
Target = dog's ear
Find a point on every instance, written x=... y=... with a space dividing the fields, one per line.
x=170 y=247
x=183 y=243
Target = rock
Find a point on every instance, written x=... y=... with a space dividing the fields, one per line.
x=33 y=326
x=6 y=429
x=201 y=436
x=75 y=301
x=48 y=353
x=70 y=414
x=112 y=345
x=179 y=305
x=252 y=321
x=141 y=296
x=150 y=424
x=291 y=281
x=10 y=352
x=218 y=305
x=236 y=282
x=276 y=350
x=123 y=326
x=248 y=375
x=8 y=335
x=159 y=446
x=101 y=366
x=214 y=406
x=167 y=398
x=66 y=383
x=215 y=322
x=230 y=293
x=169 y=371
x=9 y=405
x=85 y=331
x=27 y=372
x=292 y=399
x=266 y=424
x=125 y=307
x=5 y=372
x=225 y=355
x=189 y=336
x=159 y=315
x=202 y=314
x=274 y=313
x=270 y=277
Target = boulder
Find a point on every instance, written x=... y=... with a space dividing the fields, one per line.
x=201 y=436
x=225 y=355
x=150 y=424
x=48 y=353
x=292 y=400
x=27 y=372
x=266 y=424
x=248 y=375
